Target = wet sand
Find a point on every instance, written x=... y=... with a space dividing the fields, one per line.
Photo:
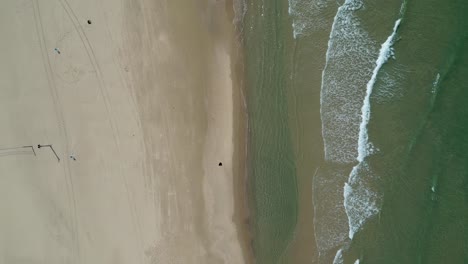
x=144 y=96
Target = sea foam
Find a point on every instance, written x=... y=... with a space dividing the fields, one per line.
x=338 y=257
x=330 y=219
x=307 y=16
x=361 y=200
x=349 y=63
x=435 y=84
x=385 y=53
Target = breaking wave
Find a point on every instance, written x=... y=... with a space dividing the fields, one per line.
x=360 y=200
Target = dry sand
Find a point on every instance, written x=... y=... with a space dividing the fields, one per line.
x=145 y=100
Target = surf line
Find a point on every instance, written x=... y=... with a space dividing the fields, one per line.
x=341 y=9
x=364 y=146
x=385 y=53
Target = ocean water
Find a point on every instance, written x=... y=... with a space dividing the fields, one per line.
x=389 y=83
x=360 y=200
x=271 y=159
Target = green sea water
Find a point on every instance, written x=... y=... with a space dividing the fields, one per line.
x=272 y=169
x=408 y=202
x=422 y=135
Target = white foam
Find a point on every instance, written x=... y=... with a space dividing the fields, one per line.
x=360 y=201
x=349 y=63
x=435 y=84
x=338 y=257
x=306 y=16
x=385 y=53
x=357 y=261
x=330 y=220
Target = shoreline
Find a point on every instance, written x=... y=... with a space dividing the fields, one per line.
x=241 y=214
x=241 y=195
x=230 y=39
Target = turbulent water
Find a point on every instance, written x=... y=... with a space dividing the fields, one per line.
x=306 y=16
x=361 y=201
x=348 y=67
x=391 y=88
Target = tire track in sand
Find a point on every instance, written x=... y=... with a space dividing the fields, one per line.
x=105 y=95
x=62 y=125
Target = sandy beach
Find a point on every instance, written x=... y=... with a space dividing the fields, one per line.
x=143 y=113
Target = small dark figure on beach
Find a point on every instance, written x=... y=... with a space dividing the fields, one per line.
x=57 y=50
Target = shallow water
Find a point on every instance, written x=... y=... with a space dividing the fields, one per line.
x=272 y=169
x=390 y=80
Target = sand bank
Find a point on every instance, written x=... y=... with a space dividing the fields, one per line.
x=143 y=97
